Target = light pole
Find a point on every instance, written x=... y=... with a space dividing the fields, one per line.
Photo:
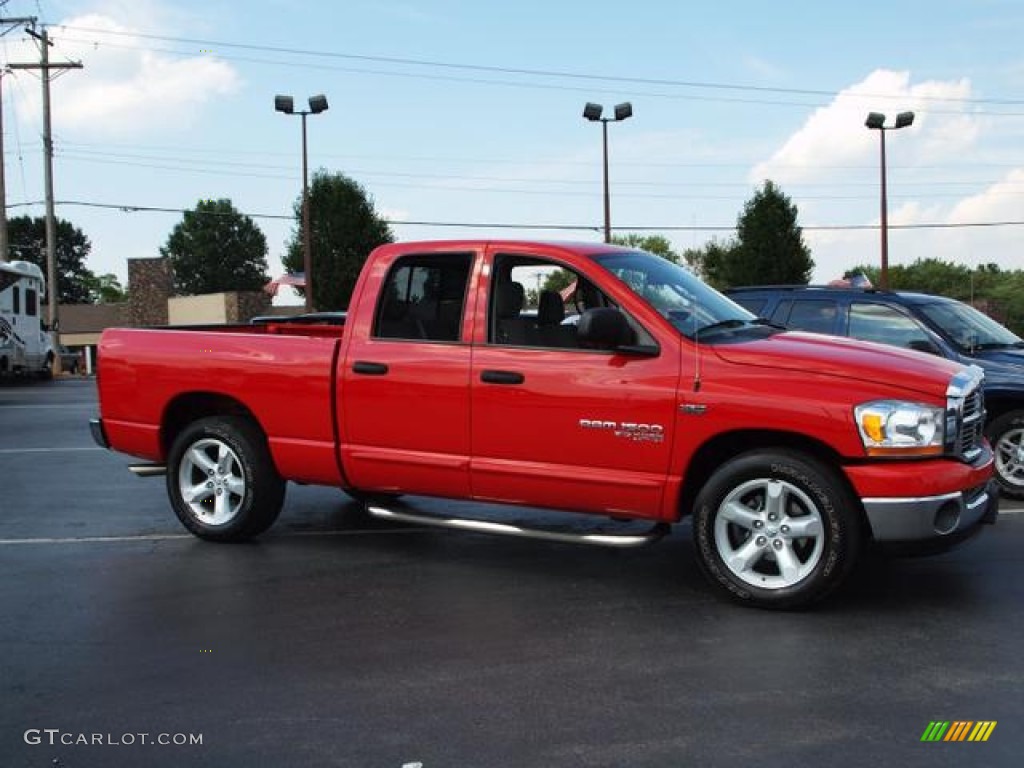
x=317 y=104
x=876 y=122
x=592 y=112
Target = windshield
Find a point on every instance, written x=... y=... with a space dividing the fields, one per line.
x=690 y=305
x=968 y=328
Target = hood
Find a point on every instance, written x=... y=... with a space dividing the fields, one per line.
x=1004 y=368
x=1001 y=358
x=845 y=358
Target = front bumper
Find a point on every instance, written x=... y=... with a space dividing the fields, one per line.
x=932 y=518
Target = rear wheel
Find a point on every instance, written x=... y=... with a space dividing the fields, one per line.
x=1007 y=437
x=221 y=480
x=776 y=529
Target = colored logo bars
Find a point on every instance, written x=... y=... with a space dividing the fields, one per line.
x=958 y=730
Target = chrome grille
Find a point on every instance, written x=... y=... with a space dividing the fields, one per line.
x=965 y=414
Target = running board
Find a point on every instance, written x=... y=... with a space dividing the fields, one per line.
x=147 y=470
x=617 y=540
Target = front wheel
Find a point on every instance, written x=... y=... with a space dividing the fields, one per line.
x=221 y=480
x=776 y=529
x=1007 y=437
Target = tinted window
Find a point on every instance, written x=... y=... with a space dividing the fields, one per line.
x=877 y=322
x=31 y=305
x=812 y=315
x=17 y=300
x=423 y=298
x=755 y=304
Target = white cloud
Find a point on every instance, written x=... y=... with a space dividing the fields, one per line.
x=833 y=155
x=125 y=87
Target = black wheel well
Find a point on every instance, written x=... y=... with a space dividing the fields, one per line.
x=998 y=406
x=188 y=408
x=723 y=447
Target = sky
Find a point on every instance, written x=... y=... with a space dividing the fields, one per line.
x=458 y=117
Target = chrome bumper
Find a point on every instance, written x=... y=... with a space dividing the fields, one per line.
x=932 y=517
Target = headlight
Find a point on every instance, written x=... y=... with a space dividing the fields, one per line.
x=898 y=428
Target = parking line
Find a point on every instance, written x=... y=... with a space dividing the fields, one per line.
x=179 y=536
x=51 y=450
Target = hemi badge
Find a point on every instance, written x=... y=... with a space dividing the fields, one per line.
x=693 y=409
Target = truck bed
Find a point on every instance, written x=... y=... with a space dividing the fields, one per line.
x=280 y=373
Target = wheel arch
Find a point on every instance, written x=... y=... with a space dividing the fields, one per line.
x=189 y=407
x=998 y=404
x=723 y=447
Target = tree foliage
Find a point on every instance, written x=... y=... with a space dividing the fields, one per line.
x=27 y=237
x=344 y=228
x=215 y=248
x=106 y=289
x=997 y=292
x=770 y=246
x=656 y=244
x=768 y=249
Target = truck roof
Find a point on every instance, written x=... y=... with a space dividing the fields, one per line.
x=579 y=247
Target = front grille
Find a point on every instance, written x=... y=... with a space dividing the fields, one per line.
x=965 y=415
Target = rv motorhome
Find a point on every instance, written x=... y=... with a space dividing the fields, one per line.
x=25 y=346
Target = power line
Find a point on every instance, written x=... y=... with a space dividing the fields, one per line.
x=128 y=208
x=438 y=64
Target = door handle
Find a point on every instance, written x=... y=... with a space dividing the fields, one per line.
x=502 y=377
x=370 y=369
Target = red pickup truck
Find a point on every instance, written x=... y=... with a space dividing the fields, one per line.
x=577 y=377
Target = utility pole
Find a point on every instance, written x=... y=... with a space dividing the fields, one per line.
x=4 y=245
x=44 y=66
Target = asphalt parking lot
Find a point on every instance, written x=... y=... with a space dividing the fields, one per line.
x=332 y=641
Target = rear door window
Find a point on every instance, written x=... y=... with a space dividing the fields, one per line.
x=423 y=298
x=815 y=315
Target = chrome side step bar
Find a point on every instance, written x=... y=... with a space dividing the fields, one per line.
x=620 y=541
x=148 y=470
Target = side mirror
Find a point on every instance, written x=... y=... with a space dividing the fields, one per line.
x=604 y=328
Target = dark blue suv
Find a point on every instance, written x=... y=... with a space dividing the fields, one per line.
x=932 y=324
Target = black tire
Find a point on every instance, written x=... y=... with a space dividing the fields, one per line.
x=47 y=372
x=244 y=493
x=1006 y=434
x=749 y=546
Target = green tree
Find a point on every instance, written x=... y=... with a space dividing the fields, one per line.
x=344 y=228
x=215 y=248
x=656 y=244
x=559 y=280
x=27 y=236
x=106 y=289
x=770 y=247
x=712 y=262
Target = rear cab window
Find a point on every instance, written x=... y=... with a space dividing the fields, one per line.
x=423 y=298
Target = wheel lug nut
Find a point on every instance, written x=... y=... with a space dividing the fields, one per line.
x=784 y=529
x=209 y=485
x=773 y=517
x=777 y=543
x=220 y=491
x=758 y=524
x=761 y=541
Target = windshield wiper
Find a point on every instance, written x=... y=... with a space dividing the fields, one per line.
x=721 y=325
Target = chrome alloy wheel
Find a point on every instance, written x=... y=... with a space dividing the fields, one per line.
x=1009 y=451
x=769 y=533
x=211 y=482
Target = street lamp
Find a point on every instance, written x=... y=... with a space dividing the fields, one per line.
x=317 y=104
x=876 y=122
x=592 y=112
